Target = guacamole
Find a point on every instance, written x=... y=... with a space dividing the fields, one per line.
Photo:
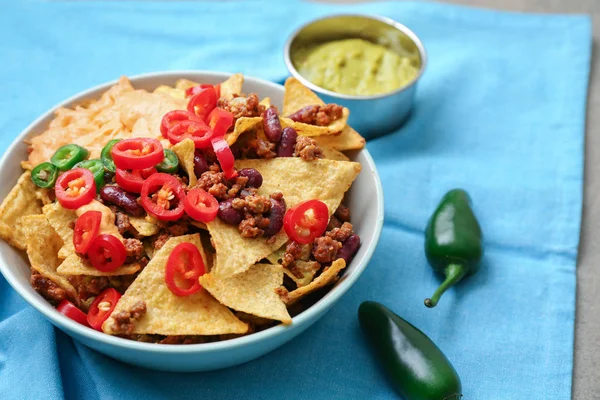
x=356 y=67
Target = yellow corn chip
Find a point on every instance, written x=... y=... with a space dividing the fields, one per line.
x=316 y=130
x=242 y=125
x=43 y=195
x=184 y=84
x=199 y=224
x=332 y=154
x=275 y=257
x=349 y=139
x=328 y=277
x=298 y=180
x=306 y=271
x=20 y=201
x=252 y=291
x=185 y=153
x=232 y=86
x=62 y=220
x=168 y=314
x=43 y=244
x=170 y=91
x=143 y=226
x=266 y=102
x=148 y=249
x=75 y=265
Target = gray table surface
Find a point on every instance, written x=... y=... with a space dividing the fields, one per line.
x=586 y=374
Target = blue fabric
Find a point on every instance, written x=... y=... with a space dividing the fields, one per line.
x=500 y=112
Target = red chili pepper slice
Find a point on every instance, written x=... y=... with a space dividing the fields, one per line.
x=219 y=121
x=107 y=253
x=132 y=181
x=203 y=102
x=196 y=130
x=163 y=197
x=137 y=153
x=86 y=228
x=196 y=89
x=70 y=310
x=173 y=117
x=225 y=157
x=102 y=307
x=201 y=205
x=75 y=188
x=184 y=267
x=306 y=221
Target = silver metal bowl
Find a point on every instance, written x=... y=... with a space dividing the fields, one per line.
x=371 y=116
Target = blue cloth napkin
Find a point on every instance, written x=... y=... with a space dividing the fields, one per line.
x=500 y=112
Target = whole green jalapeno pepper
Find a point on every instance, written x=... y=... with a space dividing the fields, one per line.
x=416 y=367
x=453 y=241
x=44 y=175
x=169 y=164
x=68 y=155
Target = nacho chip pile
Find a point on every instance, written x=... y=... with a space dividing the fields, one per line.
x=249 y=283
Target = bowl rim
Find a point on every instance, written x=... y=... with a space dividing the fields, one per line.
x=393 y=23
x=63 y=322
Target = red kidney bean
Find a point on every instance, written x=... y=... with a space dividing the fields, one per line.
x=120 y=198
x=349 y=248
x=275 y=217
x=255 y=179
x=200 y=165
x=228 y=214
x=287 y=143
x=271 y=125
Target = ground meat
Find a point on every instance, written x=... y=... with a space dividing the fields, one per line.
x=177 y=228
x=122 y=222
x=214 y=183
x=134 y=248
x=325 y=249
x=242 y=106
x=343 y=213
x=89 y=286
x=318 y=115
x=342 y=233
x=160 y=241
x=124 y=321
x=257 y=204
x=261 y=148
x=292 y=252
x=307 y=149
x=253 y=226
x=238 y=186
x=48 y=289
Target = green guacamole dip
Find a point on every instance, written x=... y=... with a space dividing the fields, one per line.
x=356 y=67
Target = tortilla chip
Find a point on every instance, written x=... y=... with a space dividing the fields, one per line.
x=315 y=130
x=252 y=291
x=185 y=153
x=332 y=154
x=242 y=125
x=349 y=139
x=167 y=314
x=43 y=244
x=232 y=86
x=173 y=92
x=75 y=265
x=298 y=180
x=275 y=257
x=199 y=224
x=184 y=84
x=307 y=270
x=107 y=224
x=62 y=220
x=266 y=102
x=143 y=226
x=328 y=277
x=19 y=202
x=44 y=195
x=148 y=249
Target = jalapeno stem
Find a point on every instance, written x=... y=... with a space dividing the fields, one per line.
x=454 y=273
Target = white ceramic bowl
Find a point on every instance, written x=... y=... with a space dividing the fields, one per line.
x=365 y=199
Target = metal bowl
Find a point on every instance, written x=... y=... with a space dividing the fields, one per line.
x=375 y=115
